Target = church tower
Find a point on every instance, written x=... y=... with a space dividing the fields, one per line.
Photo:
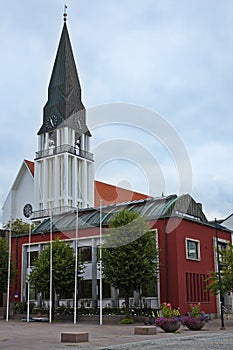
x=64 y=176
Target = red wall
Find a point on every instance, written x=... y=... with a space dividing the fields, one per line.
x=173 y=265
x=177 y=265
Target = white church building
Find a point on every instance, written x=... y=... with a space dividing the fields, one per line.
x=61 y=177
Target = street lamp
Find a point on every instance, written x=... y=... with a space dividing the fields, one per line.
x=101 y=277
x=219 y=277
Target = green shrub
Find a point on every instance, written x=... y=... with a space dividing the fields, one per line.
x=64 y=310
x=21 y=307
x=127 y=321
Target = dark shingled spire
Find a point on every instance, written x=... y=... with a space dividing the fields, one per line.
x=64 y=92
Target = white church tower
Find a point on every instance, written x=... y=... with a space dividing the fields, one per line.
x=64 y=176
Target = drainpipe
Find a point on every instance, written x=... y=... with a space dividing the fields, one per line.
x=16 y=263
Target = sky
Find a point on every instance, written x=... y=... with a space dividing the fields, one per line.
x=157 y=82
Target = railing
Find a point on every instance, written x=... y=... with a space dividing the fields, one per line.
x=65 y=148
x=47 y=212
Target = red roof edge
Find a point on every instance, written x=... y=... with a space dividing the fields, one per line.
x=30 y=166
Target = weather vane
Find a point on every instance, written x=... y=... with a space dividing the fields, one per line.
x=65 y=12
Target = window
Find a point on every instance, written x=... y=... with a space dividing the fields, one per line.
x=106 y=289
x=192 y=249
x=151 y=289
x=221 y=247
x=85 y=289
x=85 y=253
x=33 y=256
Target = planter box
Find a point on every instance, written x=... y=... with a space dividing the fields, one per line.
x=145 y=330
x=74 y=337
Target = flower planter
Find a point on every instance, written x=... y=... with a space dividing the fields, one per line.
x=168 y=325
x=171 y=327
x=194 y=324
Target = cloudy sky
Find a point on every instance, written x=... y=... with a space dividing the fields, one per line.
x=170 y=60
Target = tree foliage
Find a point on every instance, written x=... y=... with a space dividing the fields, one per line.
x=130 y=255
x=226 y=273
x=19 y=226
x=63 y=269
x=3 y=264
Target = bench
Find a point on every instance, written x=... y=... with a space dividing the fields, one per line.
x=74 y=337
x=145 y=330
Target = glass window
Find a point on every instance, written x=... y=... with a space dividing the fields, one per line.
x=151 y=289
x=33 y=256
x=85 y=253
x=85 y=289
x=221 y=247
x=192 y=249
x=106 y=288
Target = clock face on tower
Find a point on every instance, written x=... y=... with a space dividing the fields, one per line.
x=27 y=210
x=51 y=123
x=78 y=122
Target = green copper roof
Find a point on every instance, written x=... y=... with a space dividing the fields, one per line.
x=150 y=209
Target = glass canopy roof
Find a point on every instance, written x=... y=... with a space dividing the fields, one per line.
x=150 y=209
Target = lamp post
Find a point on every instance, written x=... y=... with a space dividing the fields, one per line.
x=9 y=273
x=76 y=267
x=101 y=280
x=219 y=277
x=29 y=268
x=51 y=269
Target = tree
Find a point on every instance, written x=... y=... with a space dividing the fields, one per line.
x=19 y=226
x=226 y=273
x=63 y=270
x=130 y=255
x=3 y=264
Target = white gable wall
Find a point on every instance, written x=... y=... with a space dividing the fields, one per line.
x=20 y=194
x=7 y=208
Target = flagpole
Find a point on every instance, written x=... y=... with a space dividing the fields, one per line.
x=9 y=273
x=101 y=282
x=29 y=266
x=76 y=268
x=51 y=269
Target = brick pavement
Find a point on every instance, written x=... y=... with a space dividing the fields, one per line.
x=16 y=335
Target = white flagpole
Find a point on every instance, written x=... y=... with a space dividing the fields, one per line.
x=76 y=268
x=29 y=266
x=9 y=273
x=101 y=285
x=51 y=268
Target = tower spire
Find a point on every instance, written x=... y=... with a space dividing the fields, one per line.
x=64 y=91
